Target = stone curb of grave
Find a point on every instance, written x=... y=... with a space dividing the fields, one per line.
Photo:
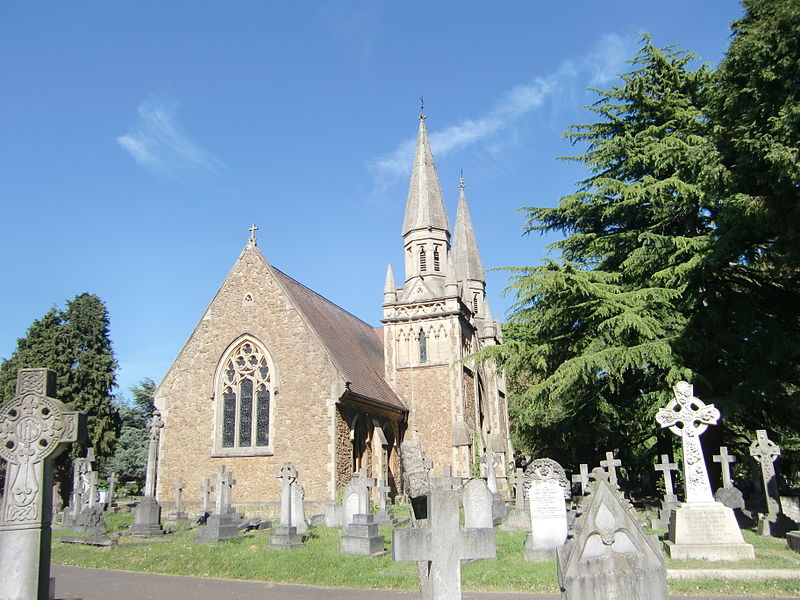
x=732 y=574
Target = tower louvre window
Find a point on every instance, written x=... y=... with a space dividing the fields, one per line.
x=423 y=262
x=436 y=259
x=475 y=303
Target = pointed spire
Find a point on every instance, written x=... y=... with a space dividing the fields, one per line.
x=466 y=258
x=389 y=288
x=424 y=207
x=450 y=281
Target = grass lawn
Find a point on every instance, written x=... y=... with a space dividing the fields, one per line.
x=321 y=563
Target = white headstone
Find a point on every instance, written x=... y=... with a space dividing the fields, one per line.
x=548 y=514
x=477 y=499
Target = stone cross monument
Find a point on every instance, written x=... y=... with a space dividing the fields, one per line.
x=205 y=490
x=35 y=428
x=610 y=464
x=582 y=477
x=725 y=461
x=147 y=520
x=490 y=459
x=765 y=451
x=112 y=488
x=286 y=536
x=700 y=528
x=666 y=469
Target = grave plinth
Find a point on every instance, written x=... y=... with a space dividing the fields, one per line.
x=286 y=536
x=362 y=537
x=699 y=528
x=223 y=525
x=35 y=428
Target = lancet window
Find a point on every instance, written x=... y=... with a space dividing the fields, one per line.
x=436 y=259
x=423 y=262
x=245 y=390
x=423 y=347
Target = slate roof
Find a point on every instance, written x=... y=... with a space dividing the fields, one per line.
x=355 y=347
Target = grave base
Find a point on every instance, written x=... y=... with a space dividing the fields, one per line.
x=537 y=554
x=219 y=528
x=793 y=539
x=89 y=541
x=147 y=520
x=362 y=537
x=285 y=538
x=706 y=531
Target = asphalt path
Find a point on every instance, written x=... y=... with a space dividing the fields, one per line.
x=100 y=584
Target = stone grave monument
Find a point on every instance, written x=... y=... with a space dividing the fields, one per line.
x=773 y=523
x=112 y=491
x=223 y=524
x=670 y=501
x=518 y=517
x=499 y=508
x=177 y=515
x=35 y=428
x=582 y=478
x=443 y=544
x=610 y=464
x=700 y=527
x=477 y=499
x=361 y=534
x=355 y=500
x=608 y=555
x=285 y=536
x=728 y=494
x=205 y=493
x=298 y=495
x=383 y=516
x=415 y=474
x=548 y=512
x=147 y=518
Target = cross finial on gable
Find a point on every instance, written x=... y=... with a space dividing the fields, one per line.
x=252 y=231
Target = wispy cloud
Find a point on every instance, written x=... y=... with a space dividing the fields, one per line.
x=498 y=129
x=157 y=143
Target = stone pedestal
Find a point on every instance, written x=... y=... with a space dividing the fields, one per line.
x=147 y=519
x=285 y=538
x=793 y=539
x=706 y=531
x=177 y=517
x=219 y=528
x=362 y=537
x=668 y=506
x=537 y=554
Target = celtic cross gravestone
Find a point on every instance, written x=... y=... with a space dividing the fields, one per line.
x=35 y=428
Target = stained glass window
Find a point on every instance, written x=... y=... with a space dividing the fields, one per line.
x=246 y=389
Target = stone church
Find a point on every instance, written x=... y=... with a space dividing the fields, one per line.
x=273 y=372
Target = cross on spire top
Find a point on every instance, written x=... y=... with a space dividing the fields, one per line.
x=252 y=231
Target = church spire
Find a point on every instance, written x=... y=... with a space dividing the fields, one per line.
x=466 y=258
x=424 y=207
x=389 y=288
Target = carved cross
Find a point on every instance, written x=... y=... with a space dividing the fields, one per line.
x=35 y=428
x=112 y=484
x=666 y=469
x=178 y=487
x=610 y=464
x=252 y=231
x=446 y=481
x=443 y=544
x=154 y=425
x=582 y=477
x=765 y=451
x=205 y=490
x=490 y=459
x=286 y=474
x=383 y=492
x=725 y=461
x=688 y=417
x=91 y=478
x=519 y=489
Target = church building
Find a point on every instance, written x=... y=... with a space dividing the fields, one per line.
x=274 y=373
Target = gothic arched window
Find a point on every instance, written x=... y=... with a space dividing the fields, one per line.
x=423 y=263
x=245 y=388
x=423 y=347
x=436 y=258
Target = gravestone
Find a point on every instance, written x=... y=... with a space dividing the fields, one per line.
x=35 y=428
x=547 y=491
x=205 y=492
x=383 y=516
x=298 y=495
x=147 y=519
x=178 y=515
x=223 y=524
x=610 y=464
x=91 y=499
x=91 y=521
x=112 y=490
x=609 y=556
x=477 y=500
x=700 y=527
x=582 y=477
x=774 y=522
x=729 y=495
x=447 y=481
x=355 y=500
x=519 y=517
x=285 y=536
x=415 y=474
x=490 y=459
x=443 y=544
x=670 y=501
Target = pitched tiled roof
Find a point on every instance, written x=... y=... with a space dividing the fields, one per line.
x=354 y=346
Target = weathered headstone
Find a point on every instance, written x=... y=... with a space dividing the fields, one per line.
x=298 y=495
x=356 y=497
x=447 y=481
x=147 y=519
x=223 y=524
x=112 y=490
x=35 y=428
x=609 y=556
x=582 y=477
x=91 y=478
x=285 y=536
x=490 y=459
x=477 y=500
x=725 y=460
x=383 y=516
x=700 y=527
x=178 y=515
x=443 y=544
x=729 y=495
x=518 y=517
x=610 y=464
x=774 y=522
x=415 y=473
x=548 y=512
x=670 y=501
x=205 y=491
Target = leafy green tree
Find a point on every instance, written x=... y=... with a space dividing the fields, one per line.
x=596 y=337
x=130 y=456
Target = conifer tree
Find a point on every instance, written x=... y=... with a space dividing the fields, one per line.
x=595 y=337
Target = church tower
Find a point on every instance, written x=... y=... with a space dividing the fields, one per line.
x=437 y=317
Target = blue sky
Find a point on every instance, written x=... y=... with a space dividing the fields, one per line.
x=139 y=141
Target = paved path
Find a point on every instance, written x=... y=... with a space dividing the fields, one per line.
x=98 y=584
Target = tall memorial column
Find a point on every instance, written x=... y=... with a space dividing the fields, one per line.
x=147 y=519
x=35 y=428
x=700 y=527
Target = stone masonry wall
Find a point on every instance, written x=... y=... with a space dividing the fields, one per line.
x=250 y=301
